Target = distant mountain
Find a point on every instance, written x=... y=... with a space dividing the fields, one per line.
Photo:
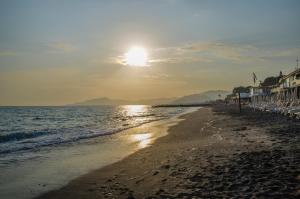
x=155 y=101
x=108 y=101
x=102 y=101
x=189 y=99
x=202 y=97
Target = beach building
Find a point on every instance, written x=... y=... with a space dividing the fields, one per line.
x=234 y=98
x=266 y=91
x=245 y=98
x=289 y=86
x=230 y=98
x=256 y=94
x=262 y=93
x=278 y=94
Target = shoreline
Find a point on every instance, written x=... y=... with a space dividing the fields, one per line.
x=210 y=153
x=51 y=169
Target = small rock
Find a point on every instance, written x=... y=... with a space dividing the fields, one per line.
x=166 y=166
x=164 y=180
x=130 y=196
x=155 y=173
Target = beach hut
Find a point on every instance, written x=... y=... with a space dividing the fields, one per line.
x=255 y=94
x=295 y=84
x=245 y=98
x=289 y=86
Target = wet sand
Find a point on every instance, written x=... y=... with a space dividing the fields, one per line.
x=212 y=153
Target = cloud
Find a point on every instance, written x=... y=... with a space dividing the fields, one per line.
x=213 y=51
x=197 y=53
x=114 y=60
x=183 y=59
x=122 y=61
x=207 y=52
x=157 y=76
x=273 y=53
x=61 y=47
x=221 y=50
x=4 y=53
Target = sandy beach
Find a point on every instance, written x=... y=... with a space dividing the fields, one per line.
x=214 y=152
x=141 y=99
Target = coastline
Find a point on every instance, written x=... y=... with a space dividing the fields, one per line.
x=50 y=170
x=212 y=152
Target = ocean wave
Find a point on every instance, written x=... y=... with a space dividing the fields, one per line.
x=45 y=127
x=57 y=139
x=21 y=136
x=144 y=115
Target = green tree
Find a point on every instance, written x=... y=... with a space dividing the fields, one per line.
x=241 y=89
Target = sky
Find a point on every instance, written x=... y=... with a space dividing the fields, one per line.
x=56 y=52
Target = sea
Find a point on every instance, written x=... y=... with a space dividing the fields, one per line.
x=43 y=148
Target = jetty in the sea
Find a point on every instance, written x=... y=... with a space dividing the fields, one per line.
x=182 y=105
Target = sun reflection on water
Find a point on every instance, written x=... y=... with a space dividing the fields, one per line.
x=143 y=139
x=133 y=110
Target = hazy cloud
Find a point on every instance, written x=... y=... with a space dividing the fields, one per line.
x=61 y=47
x=157 y=76
x=114 y=60
x=212 y=51
x=182 y=59
x=4 y=53
x=207 y=52
x=292 y=52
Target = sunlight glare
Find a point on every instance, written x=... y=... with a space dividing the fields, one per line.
x=136 y=56
x=132 y=110
x=142 y=139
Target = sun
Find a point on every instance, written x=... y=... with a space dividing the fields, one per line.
x=136 y=56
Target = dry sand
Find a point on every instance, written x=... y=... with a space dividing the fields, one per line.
x=212 y=153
